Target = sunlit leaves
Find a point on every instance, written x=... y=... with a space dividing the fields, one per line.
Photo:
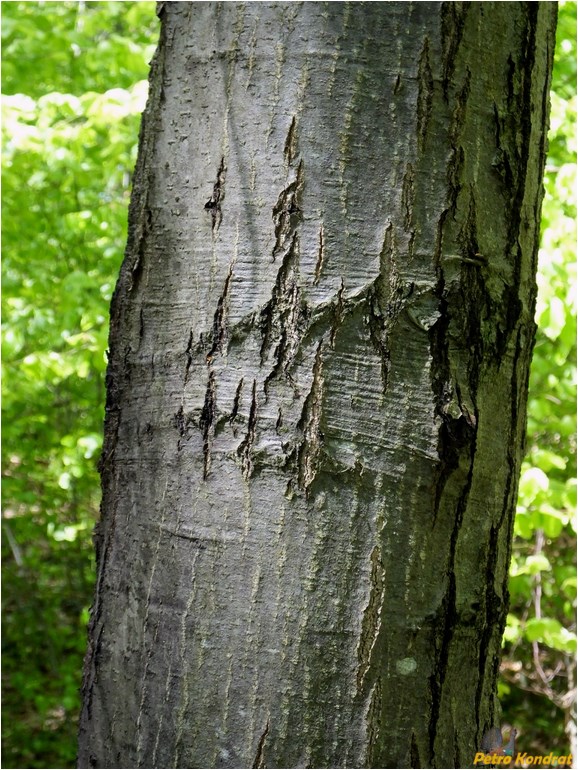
x=74 y=85
x=550 y=631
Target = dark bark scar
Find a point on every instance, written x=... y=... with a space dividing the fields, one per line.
x=259 y=759
x=214 y=203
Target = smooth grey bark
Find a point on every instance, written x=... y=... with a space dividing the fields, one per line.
x=319 y=352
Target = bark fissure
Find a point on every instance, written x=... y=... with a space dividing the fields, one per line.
x=143 y=229
x=246 y=446
x=214 y=204
x=287 y=212
x=189 y=353
x=453 y=19
x=320 y=255
x=425 y=95
x=219 y=320
x=207 y=421
x=259 y=760
x=283 y=320
x=290 y=148
x=236 y=401
x=338 y=310
x=309 y=424
x=371 y=624
x=407 y=196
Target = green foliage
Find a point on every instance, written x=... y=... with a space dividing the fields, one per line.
x=540 y=637
x=73 y=48
x=69 y=144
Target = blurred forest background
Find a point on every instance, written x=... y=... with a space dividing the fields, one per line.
x=74 y=85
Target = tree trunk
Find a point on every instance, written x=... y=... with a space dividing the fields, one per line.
x=319 y=353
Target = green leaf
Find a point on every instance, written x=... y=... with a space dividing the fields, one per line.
x=532 y=482
x=537 y=563
x=550 y=631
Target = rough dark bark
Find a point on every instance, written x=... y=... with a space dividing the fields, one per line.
x=319 y=353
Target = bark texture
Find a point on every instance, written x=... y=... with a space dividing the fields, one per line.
x=319 y=353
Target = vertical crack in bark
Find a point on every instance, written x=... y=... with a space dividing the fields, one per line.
x=207 y=420
x=219 y=328
x=373 y=721
x=236 y=401
x=91 y=658
x=388 y=288
x=268 y=320
x=287 y=212
x=337 y=315
x=284 y=318
x=320 y=255
x=378 y=334
x=517 y=126
x=456 y=344
x=456 y=162
x=245 y=447
x=454 y=384
x=453 y=17
x=279 y=421
x=371 y=623
x=495 y=610
x=501 y=160
x=424 y=96
x=454 y=177
x=414 y=752
x=310 y=423
x=447 y=618
x=189 y=355
x=384 y=304
x=180 y=423
x=142 y=230
x=443 y=630
x=259 y=760
x=495 y=605
x=214 y=203
x=290 y=148
x=141 y=326
x=458 y=115
x=407 y=197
